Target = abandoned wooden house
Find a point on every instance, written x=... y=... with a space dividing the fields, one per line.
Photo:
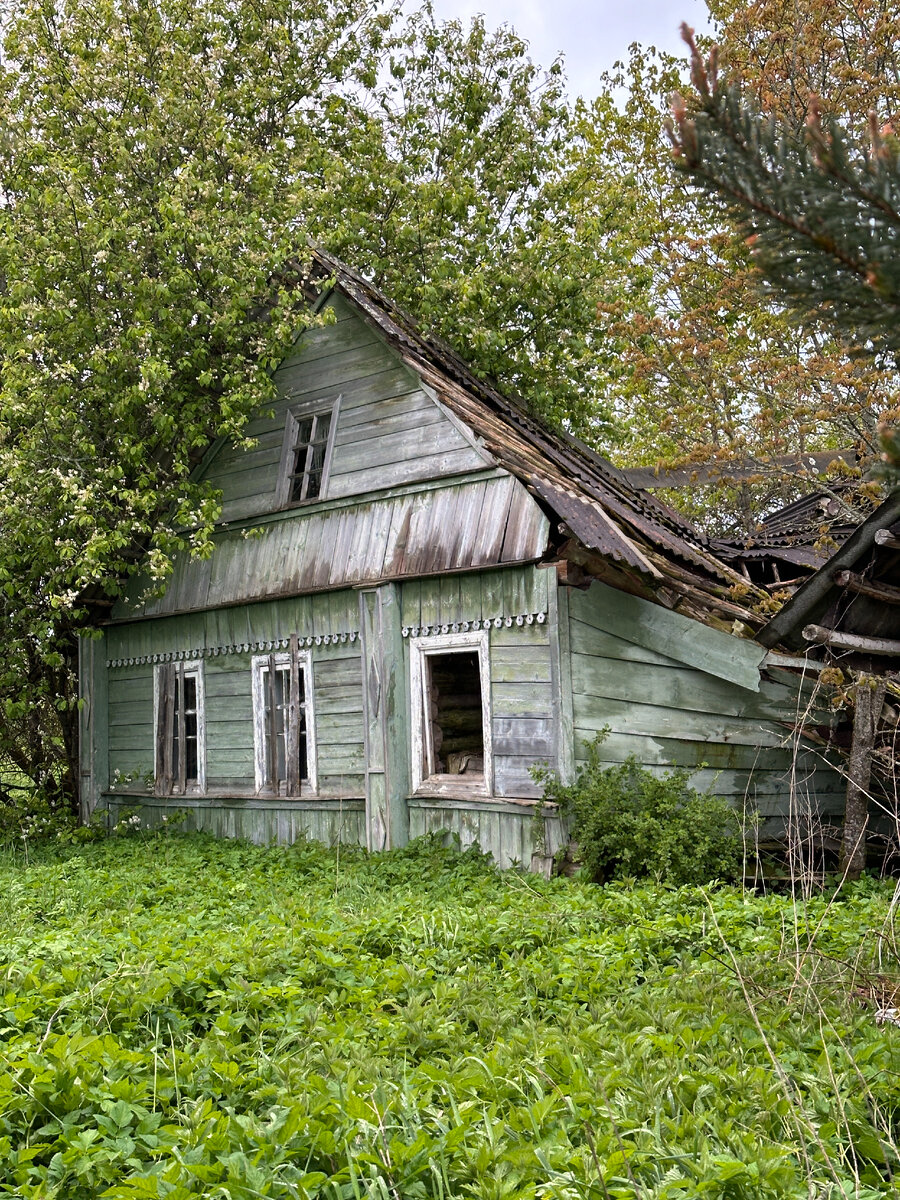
x=418 y=594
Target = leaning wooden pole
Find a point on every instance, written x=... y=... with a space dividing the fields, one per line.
x=868 y=702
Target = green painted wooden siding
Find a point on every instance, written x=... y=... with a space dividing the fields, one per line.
x=511 y=835
x=668 y=634
x=482 y=596
x=522 y=703
x=130 y=729
x=472 y=523
x=410 y=493
x=389 y=430
x=514 y=601
x=229 y=638
x=260 y=821
x=317 y=615
x=669 y=714
x=656 y=705
x=523 y=712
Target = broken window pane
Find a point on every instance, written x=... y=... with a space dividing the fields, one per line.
x=308 y=456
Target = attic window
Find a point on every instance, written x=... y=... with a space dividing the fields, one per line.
x=451 y=713
x=306 y=454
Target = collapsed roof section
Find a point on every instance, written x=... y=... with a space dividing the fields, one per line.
x=851 y=605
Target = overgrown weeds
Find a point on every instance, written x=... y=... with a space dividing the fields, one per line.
x=631 y=823
x=185 y=1017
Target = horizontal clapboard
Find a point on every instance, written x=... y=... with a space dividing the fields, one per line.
x=389 y=431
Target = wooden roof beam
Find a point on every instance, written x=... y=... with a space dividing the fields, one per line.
x=733 y=470
x=837 y=640
x=866 y=587
x=884 y=537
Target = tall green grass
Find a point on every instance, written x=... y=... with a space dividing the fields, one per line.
x=182 y=1017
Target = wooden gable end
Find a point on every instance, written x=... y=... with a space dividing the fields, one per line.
x=388 y=431
x=409 y=490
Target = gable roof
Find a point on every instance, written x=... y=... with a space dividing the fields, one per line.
x=652 y=549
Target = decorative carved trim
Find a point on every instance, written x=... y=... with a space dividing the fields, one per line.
x=326 y=639
x=262 y=647
x=474 y=626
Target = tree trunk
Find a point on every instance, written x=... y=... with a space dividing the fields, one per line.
x=869 y=700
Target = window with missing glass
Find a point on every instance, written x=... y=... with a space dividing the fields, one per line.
x=451 y=712
x=284 y=729
x=180 y=731
x=306 y=454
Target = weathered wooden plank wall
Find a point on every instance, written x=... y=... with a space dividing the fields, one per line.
x=512 y=834
x=131 y=735
x=389 y=431
x=227 y=639
x=669 y=714
x=512 y=603
x=329 y=822
x=472 y=523
x=515 y=601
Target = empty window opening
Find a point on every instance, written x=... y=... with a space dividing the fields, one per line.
x=454 y=715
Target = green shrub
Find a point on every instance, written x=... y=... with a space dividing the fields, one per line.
x=27 y=814
x=629 y=822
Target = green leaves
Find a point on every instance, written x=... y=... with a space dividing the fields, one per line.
x=821 y=212
x=474 y=214
x=707 y=368
x=151 y=168
x=161 y=167
x=630 y=823
x=183 y=1017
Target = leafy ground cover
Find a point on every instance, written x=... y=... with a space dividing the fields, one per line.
x=182 y=1017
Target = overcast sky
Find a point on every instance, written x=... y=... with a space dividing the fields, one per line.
x=591 y=35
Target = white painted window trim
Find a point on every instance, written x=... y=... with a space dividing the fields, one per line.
x=183 y=668
x=259 y=664
x=419 y=649
x=295 y=414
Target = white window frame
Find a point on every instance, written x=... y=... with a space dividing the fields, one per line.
x=259 y=666
x=185 y=668
x=286 y=473
x=421 y=648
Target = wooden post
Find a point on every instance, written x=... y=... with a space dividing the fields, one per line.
x=561 y=666
x=386 y=717
x=93 y=724
x=868 y=701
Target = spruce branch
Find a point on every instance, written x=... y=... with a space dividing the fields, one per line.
x=821 y=213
